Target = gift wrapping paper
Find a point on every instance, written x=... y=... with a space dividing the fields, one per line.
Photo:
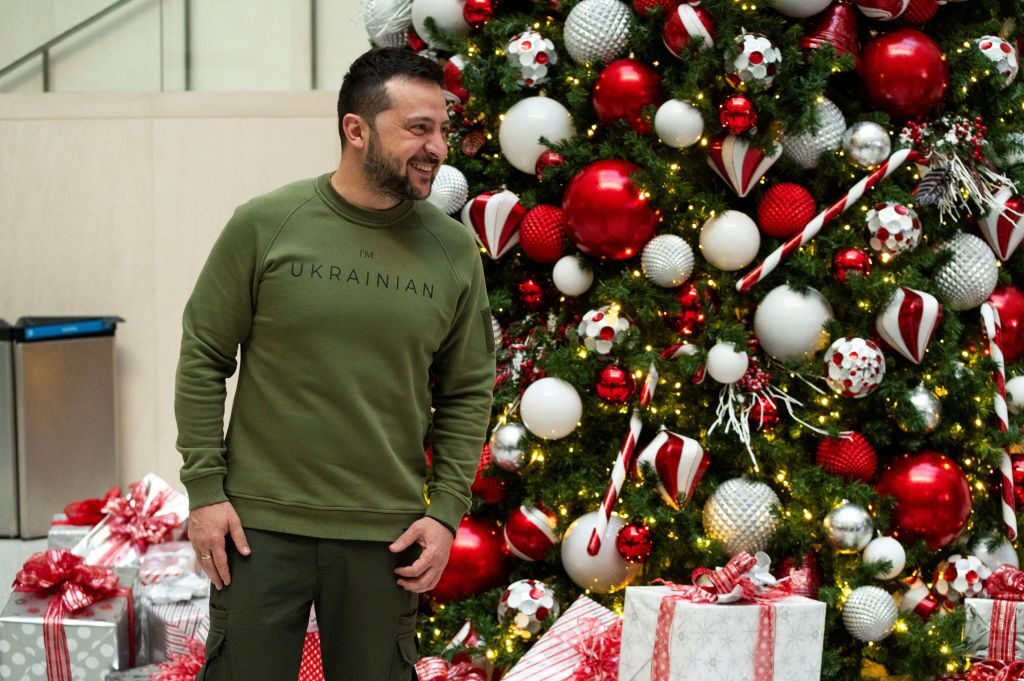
x=554 y=657
x=169 y=626
x=994 y=629
x=169 y=559
x=311 y=668
x=65 y=536
x=146 y=673
x=712 y=642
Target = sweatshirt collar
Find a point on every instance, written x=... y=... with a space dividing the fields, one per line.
x=362 y=216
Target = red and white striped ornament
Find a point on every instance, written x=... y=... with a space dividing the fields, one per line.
x=530 y=532
x=1003 y=227
x=918 y=599
x=739 y=163
x=686 y=23
x=494 y=217
x=993 y=331
x=909 y=321
x=679 y=463
x=882 y=10
x=453 y=88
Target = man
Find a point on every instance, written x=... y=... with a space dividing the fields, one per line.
x=357 y=307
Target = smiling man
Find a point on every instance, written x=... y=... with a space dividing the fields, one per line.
x=358 y=307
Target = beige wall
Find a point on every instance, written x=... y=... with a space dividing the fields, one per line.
x=111 y=203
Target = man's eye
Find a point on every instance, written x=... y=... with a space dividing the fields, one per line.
x=419 y=128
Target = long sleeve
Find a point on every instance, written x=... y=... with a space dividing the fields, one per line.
x=217 y=319
x=463 y=370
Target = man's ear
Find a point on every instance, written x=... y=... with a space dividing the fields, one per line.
x=355 y=129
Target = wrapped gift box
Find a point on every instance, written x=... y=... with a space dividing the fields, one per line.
x=713 y=642
x=64 y=536
x=559 y=652
x=99 y=636
x=311 y=668
x=1000 y=637
x=146 y=673
x=171 y=559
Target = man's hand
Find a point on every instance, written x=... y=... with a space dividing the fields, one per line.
x=207 y=528
x=436 y=541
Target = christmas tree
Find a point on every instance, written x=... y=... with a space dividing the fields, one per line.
x=753 y=279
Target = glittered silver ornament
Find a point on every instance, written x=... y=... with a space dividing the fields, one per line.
x=854 y=367
x=508 y=447
x=927 y=405
x=1003 y=56
x=602 y=329
x=499 y=333
x=849 y=528
x=449 y=190
x=969 y=278
x=597 y=31
x=806 y=148
x=754 y=64
x=893 y=228
x=739 y=515
x=533 y=55
x=387 y=22
x=667 y=260
x=870 y=613
x=528 y=606
x=867 y=145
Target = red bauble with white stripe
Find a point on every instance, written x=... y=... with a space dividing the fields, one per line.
x=543 y=233
x=850 y=457
x=530 y=532
x=645 y=7
x=909 y=322
x=678 y=461
x=685 y=24
x=1003 y=227
x=739 y=163
x=494 y=217
x=882 y=10
x=453 y=79
x=491 y=490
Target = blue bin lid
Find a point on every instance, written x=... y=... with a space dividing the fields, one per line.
x=29 y=329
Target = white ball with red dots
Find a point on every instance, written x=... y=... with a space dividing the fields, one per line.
x=726 y=364
x=447 y=16
x=893 y=228
x=854 y=367
x=551 y=408
x=1002 y=54
x=571 y=277
x=755 y=64
x=960 y=577
x=602 y=329
x=533 y=55
x=528 y=605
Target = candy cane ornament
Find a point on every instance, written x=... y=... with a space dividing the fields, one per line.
x=812 y=228
x=993 y=329
x=624 y=462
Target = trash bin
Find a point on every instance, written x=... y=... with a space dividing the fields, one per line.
x=8 y=444
x=64 y=417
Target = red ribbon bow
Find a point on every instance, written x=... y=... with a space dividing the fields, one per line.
x=133 y=518
x=87 y=511
x=599 y=645
x=73 y=586
x=996 y=670
x=1006 y=584
x=183 y=666
x=440 y=669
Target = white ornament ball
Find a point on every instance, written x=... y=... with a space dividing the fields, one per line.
x=730 y=241
x=678 y=123
x=447 y=16
x=739 y=515
x=533 y=54
x=969 y=278
x=893 y=228
x=450 y=190
x=854 y=367
x=1003 y=56
x=597 y=31
x=791 y=325
x=508 y=447
x=1015 y=394
x=667 y=260
x=867 y=145
x=605 y=572
x=1002 y=554
x=756 y=62
x=571 y=277
x=528 y=606
x=726 y=364
x=886 y=548
x=806 y=148
x=870 y=613
x=602 y=329
x=799 y=9
x=551 y=408
x=387 y=22
x=525 y=123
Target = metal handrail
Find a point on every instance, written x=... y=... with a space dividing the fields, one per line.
x=44 y=49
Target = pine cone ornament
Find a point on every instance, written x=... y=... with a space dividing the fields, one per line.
x=850 y=457
x=784 y=210
x=542 y=234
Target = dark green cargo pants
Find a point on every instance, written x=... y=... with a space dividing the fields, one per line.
x=258 y=623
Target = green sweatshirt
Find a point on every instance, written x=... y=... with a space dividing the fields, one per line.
x=353 y=323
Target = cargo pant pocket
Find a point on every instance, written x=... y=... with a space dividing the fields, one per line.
x=405 y=655
x=216 y=667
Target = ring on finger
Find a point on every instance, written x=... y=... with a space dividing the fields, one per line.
x=206 y=557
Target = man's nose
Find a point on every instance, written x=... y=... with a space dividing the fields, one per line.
x=437 y=145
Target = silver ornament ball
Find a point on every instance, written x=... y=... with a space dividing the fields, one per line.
x=667 y=260
x=849 y=528
x=508 y=447
x=449 y=190
x=927 y=405
x=870 y=613
x=867 y=145
x=807 y=148
x=597 y=31
x=387 y=22
x=966 y=281
x=739 y=515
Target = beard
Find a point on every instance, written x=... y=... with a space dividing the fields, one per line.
x=385 y=172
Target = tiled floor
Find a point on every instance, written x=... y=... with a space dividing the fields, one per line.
x=14 y=552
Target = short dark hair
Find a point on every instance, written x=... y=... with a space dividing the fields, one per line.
x=362 y=89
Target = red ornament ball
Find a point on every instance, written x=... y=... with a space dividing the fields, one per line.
x=548 y=159
x=764 y=415
x=531 y=294
x=1009 y=302
x=542 y=234
x=737 y=114
x=478 y=12
x=785 y=209
x=634 y=543
x=1017 y=465
x=904 y=73
x=850 y=261
x=415 y=42
x=920 y=11
x=453 y=68
x=490 y=490
x=933 y=498
x=804 y=574
x=607 y=215
x=645 y=7
x=689 y=321
x=530 y=532
x=615 y=385
x=852 y=458
x=622 y=91
x=477 y=562
x=686 y=23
